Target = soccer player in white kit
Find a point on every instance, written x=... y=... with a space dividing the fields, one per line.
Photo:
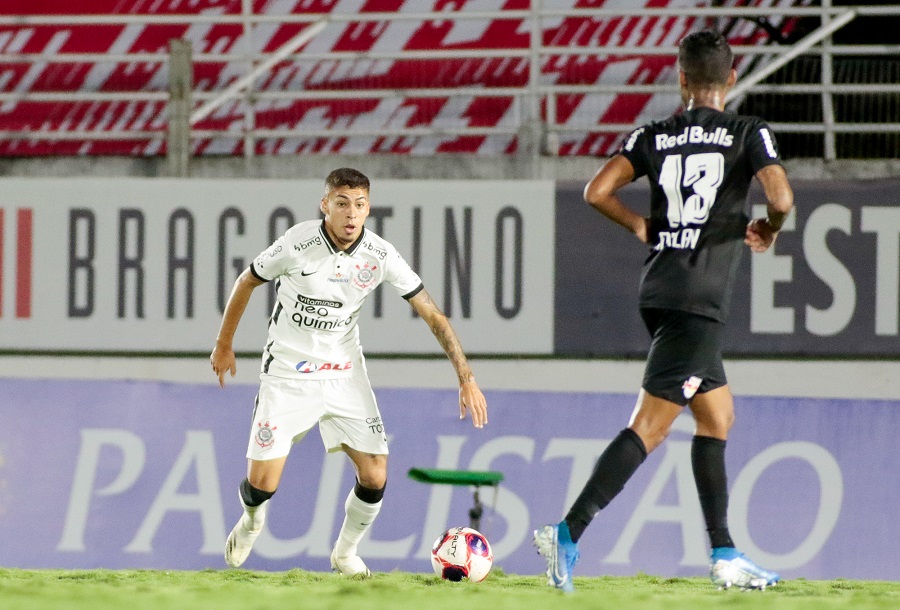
x=313 y=370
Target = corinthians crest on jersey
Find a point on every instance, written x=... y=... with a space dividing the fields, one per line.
x=320 y=289
x=364 y=276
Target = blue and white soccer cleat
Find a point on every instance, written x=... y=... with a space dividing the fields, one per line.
x=730 y=568
x=554 y=544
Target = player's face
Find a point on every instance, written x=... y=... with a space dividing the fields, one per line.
x=345 y=209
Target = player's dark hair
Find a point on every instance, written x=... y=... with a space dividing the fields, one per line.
x=705 y=58
x=348 y=177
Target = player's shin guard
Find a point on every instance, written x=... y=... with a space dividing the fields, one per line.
x=252 y=497
x=708 y=463
x=616 y=465
x=254 y=503
x=243 y=535
x=362 y=506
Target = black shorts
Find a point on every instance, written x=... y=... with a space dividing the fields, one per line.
x=685 y=354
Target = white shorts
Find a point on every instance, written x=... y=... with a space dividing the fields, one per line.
x=286 y=409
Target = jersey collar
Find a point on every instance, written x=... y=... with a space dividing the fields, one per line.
x=333 y=247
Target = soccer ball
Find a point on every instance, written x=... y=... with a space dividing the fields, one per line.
x=461 y=553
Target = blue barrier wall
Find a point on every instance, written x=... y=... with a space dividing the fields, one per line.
x=144 y=475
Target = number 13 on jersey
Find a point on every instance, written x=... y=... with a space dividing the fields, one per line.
x=698 y=176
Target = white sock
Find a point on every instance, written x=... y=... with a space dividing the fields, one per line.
x=357 y=522
x=254 y=516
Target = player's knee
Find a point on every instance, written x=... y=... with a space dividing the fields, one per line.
x=716 y=425
x=651 y=435
x=253 y=495
x=728 y=421
x=371 y=495
x=656 y=439
x=373 y=478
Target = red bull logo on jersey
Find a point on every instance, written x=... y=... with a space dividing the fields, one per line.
x=307 y=366
x=694 y=135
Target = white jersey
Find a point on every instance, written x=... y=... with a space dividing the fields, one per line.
x=320 y=289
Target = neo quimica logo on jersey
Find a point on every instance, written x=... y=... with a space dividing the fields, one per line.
x=318 y=306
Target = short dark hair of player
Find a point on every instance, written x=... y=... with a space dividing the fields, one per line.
x=705 y=58
x=346 y=176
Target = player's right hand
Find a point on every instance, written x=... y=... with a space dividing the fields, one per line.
x=642 y=231
x=759 y=235
x=471 y=400
x=222 y=360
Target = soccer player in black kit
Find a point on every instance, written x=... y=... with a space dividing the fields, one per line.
x=700 y=164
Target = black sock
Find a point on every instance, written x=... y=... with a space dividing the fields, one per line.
x=708 y=462
x=616 y=465
x=252 y=496
x=367 y=495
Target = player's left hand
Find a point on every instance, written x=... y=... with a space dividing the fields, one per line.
x=759 y=235
x=472 y=400
x=223 y=360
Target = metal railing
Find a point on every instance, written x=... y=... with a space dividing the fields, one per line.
x=540 y=127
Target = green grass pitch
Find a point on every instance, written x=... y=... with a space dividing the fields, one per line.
x=244 y=589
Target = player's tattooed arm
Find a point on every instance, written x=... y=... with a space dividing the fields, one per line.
x=470 y=397
x=443 y=332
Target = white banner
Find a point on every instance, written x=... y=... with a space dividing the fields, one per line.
x=140 y=265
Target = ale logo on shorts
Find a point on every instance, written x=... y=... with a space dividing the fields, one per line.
x=691 y=386
x=307 y=366
x=265 y=436
x=364 y=276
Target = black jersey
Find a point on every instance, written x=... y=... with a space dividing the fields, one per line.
x=700 y=164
